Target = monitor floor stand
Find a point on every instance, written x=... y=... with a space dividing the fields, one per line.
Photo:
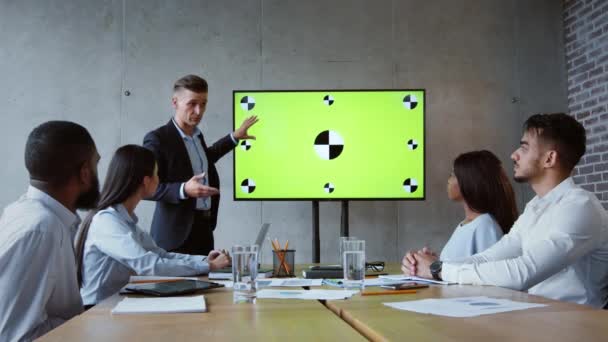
x=316 y=240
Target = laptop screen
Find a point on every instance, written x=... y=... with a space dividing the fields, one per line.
x=262 y=235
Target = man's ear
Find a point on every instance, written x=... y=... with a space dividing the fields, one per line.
x=174 y=102
x=550 y=159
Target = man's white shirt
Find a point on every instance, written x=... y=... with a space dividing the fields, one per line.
x=38 y=269
x=558 y=248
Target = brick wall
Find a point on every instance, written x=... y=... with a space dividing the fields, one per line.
x=586 y=44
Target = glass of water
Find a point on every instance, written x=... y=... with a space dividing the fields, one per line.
x=244 y=271
x=353 y=262
x=341 y=250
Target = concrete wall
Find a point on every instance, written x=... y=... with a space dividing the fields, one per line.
x=486 y=65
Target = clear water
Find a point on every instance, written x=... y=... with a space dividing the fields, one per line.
x=244 y=273
x=354 y=269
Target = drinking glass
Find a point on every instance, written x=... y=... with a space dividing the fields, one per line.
x=244 y=271
x=341 y=249
x=354 y=264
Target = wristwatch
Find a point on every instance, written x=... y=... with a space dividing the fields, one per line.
x=435 y=269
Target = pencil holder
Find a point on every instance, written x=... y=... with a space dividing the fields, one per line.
x=283 y=263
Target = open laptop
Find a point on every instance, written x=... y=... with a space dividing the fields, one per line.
x=226 y=272
x=259 y=240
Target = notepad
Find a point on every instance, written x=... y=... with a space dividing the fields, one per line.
x=462 y=306
x=132 y=305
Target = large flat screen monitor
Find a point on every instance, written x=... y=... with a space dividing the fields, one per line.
x=331 y=145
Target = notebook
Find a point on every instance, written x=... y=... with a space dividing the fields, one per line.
x=147 y=305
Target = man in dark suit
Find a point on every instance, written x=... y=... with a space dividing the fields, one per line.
x=187 y=198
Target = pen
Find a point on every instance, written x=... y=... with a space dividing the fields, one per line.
x=382 y=293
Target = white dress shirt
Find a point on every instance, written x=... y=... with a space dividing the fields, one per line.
x=558 y=248
x=117 y=248
x=471 y=238
x=37 y=267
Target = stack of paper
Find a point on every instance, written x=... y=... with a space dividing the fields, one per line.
x=462 y=306
x=226 y=274
x=160 y=305
x=414 y=279
x=306 y=294
x=292 y=282
x=367 y=282
x=384 y=281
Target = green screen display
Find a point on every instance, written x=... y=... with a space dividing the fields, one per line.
x=330 y=144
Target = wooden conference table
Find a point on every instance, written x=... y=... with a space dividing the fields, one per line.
x=353 y=320
x=559 y=321
x=266 y=320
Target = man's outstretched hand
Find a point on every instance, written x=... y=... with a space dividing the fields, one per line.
x=241 y=133
x=194 y=188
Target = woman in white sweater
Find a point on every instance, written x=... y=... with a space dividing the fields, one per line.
x=480 y=184
x=110 y=246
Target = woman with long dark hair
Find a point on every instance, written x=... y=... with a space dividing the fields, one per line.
x=110 y=247
x=480 y=183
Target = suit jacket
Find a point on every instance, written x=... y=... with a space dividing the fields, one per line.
x=173 y=216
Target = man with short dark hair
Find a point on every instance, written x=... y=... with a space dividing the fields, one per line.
x=188 y=194
x=558 y=247
x=38 y=269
